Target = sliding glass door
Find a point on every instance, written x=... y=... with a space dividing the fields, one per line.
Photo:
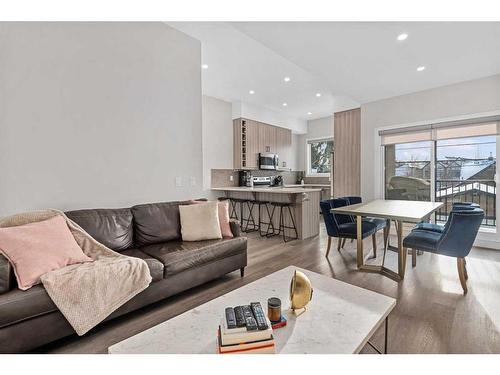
x=465 y=172
x=408 y=171
x=443 y=164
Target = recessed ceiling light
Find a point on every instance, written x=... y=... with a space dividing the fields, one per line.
x=402 y=37
x=251 y=92
x=284 y=104
x=318 y=94
x=286 y=79
x=420 y=68
x=204 y=66
x=309 y=113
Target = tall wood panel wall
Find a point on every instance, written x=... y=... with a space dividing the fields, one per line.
x=347 y=153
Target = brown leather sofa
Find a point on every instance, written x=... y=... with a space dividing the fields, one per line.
x=29 y=319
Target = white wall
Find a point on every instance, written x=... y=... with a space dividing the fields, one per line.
x=217 y=138
x=462 y=99
x=97 y=115
x=319 y=128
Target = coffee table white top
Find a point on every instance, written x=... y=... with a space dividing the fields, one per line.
x=410 y=211
x=341 y=318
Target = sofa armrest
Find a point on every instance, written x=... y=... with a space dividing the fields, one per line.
x=235 y=227
x=6 y=275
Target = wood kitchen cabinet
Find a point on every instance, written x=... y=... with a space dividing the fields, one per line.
x=253 y=137
x=267 y=138
x=284 y=146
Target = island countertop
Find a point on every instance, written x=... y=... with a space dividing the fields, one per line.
x=269 y=190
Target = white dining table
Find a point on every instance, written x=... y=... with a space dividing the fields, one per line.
x=399 y=211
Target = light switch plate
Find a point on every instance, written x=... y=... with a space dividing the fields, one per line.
x=231 y=178
x=178 y=181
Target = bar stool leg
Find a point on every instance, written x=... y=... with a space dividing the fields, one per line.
x=271 y=219
x=282 y=224
x=233 y=214
x=250 y=206
x=241 y=215
x=271 y=224
x=293 y=223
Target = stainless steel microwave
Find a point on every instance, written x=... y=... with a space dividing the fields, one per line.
x=268 y=161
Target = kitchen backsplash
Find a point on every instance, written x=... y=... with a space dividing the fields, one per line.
x=221 y=177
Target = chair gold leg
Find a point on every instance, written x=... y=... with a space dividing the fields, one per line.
x=328 y=246
x=339 y=244
x=374 y=242
x=461 y=273
x=413 y=257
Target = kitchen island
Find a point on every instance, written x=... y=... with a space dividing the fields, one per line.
x=305 y=205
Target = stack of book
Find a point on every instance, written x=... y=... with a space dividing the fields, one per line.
x=242 y=341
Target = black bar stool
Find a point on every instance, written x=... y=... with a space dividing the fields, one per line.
x=250 y=225
x=247 y=223
x=281 y=231
x=261 y=222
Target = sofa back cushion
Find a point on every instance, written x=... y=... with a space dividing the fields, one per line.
x=156 y=222
x=7 y=279
x=111 y=227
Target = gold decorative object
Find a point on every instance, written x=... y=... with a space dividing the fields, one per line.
x=301 y=291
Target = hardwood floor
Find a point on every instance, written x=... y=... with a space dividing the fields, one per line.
x=432 y=315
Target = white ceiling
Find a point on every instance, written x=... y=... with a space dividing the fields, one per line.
x=348 y=62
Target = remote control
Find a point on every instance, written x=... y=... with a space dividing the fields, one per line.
x=230 y=318
x=247 y=311
x=251 y=324
x=240 y=317
x=259 y=315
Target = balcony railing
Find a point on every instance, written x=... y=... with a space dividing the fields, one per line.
x=482 y=192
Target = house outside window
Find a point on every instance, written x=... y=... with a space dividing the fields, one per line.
x=319 y=157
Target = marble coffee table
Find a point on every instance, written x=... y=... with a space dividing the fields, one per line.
x=341 y=318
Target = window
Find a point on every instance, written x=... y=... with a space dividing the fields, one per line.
x=319 y=157
x=408 y=171
x=443 y=163
x=465 y=172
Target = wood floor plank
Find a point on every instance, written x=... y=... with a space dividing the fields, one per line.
x=432 y=315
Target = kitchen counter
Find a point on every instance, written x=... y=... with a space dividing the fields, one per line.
x=269 y=189
x=325 y=186
x=304 y=206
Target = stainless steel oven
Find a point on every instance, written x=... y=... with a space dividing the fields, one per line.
x=268 y=161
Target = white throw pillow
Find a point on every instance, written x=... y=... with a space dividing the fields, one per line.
x=200 y=221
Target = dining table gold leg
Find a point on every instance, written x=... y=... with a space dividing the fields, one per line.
x=360 y=260
x=401 y=250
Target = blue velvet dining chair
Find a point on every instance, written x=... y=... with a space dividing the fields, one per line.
x=440 y=227
x=378 y=222
x=343 y=226
x=455 y=240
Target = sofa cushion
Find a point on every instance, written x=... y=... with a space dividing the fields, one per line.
x=111 y=227
x=200 y=222
x=156 y=222
x=7 y=278
x=37 y=248
x=154 y=265
x=18 y=305
x=178 y=256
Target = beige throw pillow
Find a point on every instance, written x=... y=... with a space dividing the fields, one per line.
x=200 y=222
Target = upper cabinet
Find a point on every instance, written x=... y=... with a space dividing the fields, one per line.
x=267 y=138
x=284 y=147
x=252 y=137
